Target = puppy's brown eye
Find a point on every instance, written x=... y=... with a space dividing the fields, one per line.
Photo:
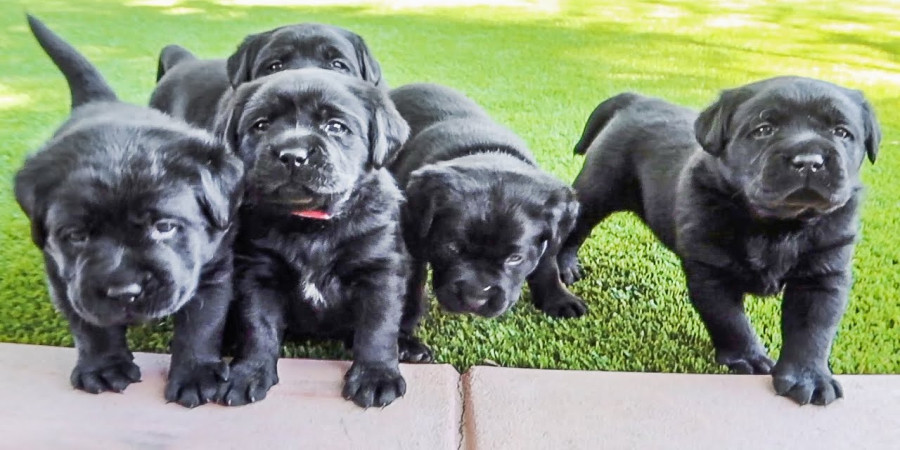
x=762 y=131
x=515 y=259
x=340 y=65
x=76 y=237
x=261 y=125
x=842 y=133
x=335 y=127
x=274 y=66
x=164 y=229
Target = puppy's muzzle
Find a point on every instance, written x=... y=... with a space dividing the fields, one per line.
x=807 y=175
x=467 y=296
x=123 y=286
x=297 y=151
x=474 y=297
x=295 y=157
x=126 y=293
x=807 y=163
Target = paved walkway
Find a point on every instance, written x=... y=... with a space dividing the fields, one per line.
x=498 y=408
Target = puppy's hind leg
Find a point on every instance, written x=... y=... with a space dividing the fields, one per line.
x=410 y=348
x=602 y=188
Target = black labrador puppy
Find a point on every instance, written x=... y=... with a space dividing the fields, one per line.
x=133 y=212
x=767 y=203
x=319 y=252
x=194 y=89
x=479 y=210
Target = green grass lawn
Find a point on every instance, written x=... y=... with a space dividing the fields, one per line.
x=540 y=69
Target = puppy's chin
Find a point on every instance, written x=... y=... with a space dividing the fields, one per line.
x=108 y=312
x=799 y=204
x=298 y=201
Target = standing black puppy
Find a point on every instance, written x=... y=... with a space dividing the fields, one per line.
x=194 y=89
x=767 y=203
x=133 y=212
x=479 y=210
x=319 y=252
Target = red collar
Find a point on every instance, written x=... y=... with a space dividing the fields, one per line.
x=312 y=214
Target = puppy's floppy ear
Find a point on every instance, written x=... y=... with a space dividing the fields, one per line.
x=560 y=212
x=872 y=128
x=240 y=64
x=712 y=126
x=228 y=119
x=220 y=186
x=368 y=66
x=426 y=190
x=388 y=130
x=32 y=187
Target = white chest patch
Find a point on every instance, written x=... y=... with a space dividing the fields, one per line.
x=312 y=293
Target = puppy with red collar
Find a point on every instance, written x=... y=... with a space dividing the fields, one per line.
x=319 y=251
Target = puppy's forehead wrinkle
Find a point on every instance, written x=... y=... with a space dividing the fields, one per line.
x=829 y=107
x=327 y=99
x=102 y=197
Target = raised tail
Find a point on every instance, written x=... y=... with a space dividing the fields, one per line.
x=600 y=117
x=169 y=56
x=85 y=82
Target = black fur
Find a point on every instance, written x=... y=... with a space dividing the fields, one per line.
x=133 y=212
x=195 y=89
x=314 y=142
x=767 y=203
x=479 y=209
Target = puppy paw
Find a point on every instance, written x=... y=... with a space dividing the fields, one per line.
x=747 y=362
x=248 y=382
x=806 y=384
x=106 y=375
x=566 y=305
x=193 y=384
x=412 y=350
x=570 y=269
x=368 y=384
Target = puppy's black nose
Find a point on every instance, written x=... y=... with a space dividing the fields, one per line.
x=807 y=162
x=125 y=292
x=295 y=157
x=475 y=298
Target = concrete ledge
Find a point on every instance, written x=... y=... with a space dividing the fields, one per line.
x=500 y=408
x=524 y=409
x=305 y=410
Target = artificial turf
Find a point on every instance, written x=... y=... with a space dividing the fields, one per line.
x=539 y=67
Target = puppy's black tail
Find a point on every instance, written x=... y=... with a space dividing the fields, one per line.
x=85 y=82
x=600 y=117
x=169 y=56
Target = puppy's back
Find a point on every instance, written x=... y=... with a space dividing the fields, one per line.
x=424 y=104
x=191 y=87
x=636 y=124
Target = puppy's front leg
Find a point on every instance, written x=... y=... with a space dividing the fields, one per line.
x=548 y=292
x=254 y=370
x=197 y=368
x=374 y=379
x=410 y=348
x=810 y=313
x=721 y=307
x=104 y=361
